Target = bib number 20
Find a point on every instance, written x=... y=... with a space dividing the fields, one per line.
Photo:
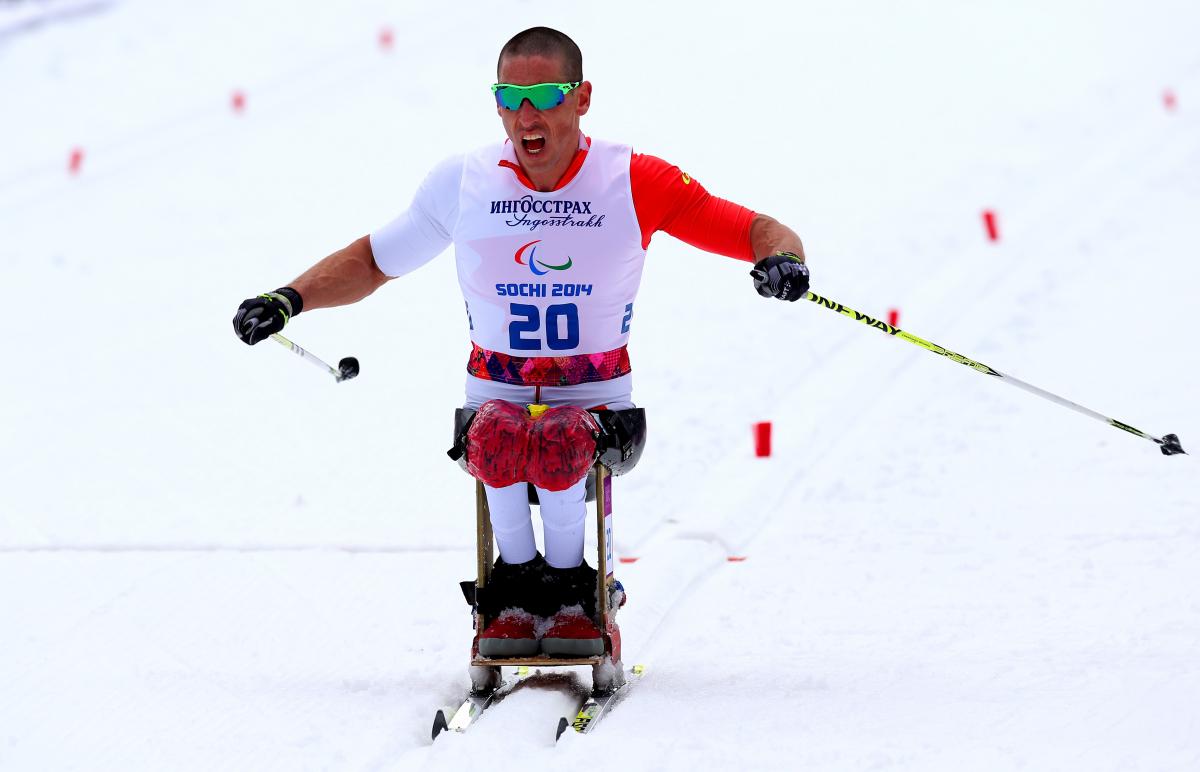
x=561 y=327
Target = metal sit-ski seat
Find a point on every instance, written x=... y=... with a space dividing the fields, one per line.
x=621 y=441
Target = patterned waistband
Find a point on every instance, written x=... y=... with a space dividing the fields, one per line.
x=548 y=371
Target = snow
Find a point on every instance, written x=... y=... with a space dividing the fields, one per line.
x=212 y=556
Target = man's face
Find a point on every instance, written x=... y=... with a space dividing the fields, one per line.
x=545 y=140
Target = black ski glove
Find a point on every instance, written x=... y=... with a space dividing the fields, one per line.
x=783 y=275
x=258 y=317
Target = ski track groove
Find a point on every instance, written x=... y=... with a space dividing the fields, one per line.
x=48 y=14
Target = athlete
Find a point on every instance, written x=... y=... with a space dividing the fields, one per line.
x=550 y=230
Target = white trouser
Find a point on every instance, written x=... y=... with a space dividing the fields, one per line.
x=563 y=512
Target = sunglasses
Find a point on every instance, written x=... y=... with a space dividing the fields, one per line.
x=542 y=96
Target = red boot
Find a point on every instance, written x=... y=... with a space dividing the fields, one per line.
x=572 y=633
x=512 y=634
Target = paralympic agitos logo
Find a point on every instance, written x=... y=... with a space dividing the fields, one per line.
x=533 y=263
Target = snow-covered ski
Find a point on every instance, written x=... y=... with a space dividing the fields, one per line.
x=598 y=704
x=474 y=704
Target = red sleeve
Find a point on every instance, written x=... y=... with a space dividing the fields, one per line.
x=666 y=199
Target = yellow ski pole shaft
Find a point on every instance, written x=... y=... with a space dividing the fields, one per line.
x=1168 y=443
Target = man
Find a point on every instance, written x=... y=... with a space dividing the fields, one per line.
x=550 y=230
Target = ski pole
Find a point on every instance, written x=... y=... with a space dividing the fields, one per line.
x=1168 y=444
x=346 y=369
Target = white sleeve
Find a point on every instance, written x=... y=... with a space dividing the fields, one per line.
x=423 y=231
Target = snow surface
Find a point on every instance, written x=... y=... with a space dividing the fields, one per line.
x=211 y=556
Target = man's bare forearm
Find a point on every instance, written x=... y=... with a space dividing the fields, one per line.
x=768 y=236
x=347 y=276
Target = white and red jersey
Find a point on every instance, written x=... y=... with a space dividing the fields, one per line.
x=549 y=274
x=550 y=278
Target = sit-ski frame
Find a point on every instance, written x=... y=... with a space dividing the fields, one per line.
x=607 y=672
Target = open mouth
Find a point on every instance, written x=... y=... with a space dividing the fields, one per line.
x=533 y=143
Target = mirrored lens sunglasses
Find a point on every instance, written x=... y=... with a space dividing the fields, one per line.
x=542 y=96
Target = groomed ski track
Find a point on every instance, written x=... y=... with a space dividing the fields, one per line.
x=933 y=571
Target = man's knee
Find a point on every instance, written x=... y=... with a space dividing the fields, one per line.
x=554 y=451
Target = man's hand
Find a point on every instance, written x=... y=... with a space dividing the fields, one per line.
x=783 y=275
x=257 y=318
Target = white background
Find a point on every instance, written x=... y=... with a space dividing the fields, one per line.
x=213 y=556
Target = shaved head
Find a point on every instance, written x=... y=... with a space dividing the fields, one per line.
x=548 y=43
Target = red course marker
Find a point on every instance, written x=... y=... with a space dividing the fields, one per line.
x=762 y=439
x=894 y=317
x=627 y=560
x=1169 y=100
x=238 y=102
x=989 y=222
x=75 y=160
x=386 y=38
x=732 y=559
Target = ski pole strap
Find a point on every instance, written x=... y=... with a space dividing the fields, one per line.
x=1168 y=444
